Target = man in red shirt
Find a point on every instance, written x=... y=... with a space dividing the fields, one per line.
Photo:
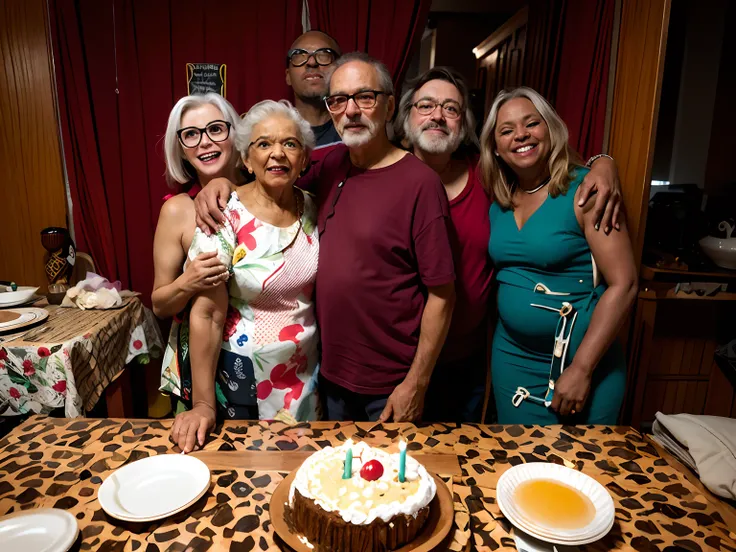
x=385 y=281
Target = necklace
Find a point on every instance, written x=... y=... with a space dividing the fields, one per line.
x=535 y=190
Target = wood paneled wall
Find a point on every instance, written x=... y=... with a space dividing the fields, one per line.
x=640 y=63
x=32 y=193
x=500 y=58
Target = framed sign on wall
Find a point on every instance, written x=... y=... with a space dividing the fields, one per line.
x=206 y=77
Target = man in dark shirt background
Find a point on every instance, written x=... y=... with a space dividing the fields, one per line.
x=309 y=64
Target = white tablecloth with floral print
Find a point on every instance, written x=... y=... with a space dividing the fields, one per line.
x=70 y=359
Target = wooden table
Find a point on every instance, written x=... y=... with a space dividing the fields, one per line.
x=49 y=462
x=74 y=357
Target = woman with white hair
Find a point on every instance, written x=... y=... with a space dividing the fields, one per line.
x=555 y=358
x=263 y=320
x=198 y=148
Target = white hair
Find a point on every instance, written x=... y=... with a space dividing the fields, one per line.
x=384 y=76
x=178 y=169
x=262 y=111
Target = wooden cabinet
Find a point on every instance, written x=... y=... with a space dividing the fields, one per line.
x=672 y=363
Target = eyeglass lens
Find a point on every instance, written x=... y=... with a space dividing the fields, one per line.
x=338 y=103
x=322 y=56
x=217 y=131
x=450 y=109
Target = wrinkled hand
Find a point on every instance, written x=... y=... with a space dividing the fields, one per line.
x=204 y=272
x=209 y=204
x=405 y=404
x=602 y=180
x=190 y=428
x=571 y=391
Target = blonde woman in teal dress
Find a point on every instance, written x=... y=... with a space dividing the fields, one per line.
x=564 y=289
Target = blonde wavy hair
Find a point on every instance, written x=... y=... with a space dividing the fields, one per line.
x=498 y=178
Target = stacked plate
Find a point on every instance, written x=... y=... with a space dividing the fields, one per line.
x=594 y=530
x=154 y=488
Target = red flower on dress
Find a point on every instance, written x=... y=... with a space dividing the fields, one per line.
x=264 y=390
x=137 y=344
x=289 y=333
x=28 y=368
x=14 y=393
x=59 y=386
x=233 y=217
x=43 y=352
x=3 y=354
x=231 y=323
x=245 y=237
x=283 y=377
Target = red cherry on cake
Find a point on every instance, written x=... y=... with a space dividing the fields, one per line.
x=371 y=470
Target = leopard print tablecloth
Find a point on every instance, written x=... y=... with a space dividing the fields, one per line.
x=61 y=463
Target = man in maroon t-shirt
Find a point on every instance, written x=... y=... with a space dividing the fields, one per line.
x=385 y=281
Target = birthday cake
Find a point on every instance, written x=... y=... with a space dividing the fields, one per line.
x=357 y=501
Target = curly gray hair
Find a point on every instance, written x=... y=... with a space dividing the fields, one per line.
x=267 y=108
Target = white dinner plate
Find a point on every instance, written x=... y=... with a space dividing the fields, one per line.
x=38 y=530
x=21 y=303
x=599 y=526
x=154 y=488
x=12 y=298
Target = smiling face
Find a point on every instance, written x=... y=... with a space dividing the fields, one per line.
x=358 y=127
x=276 y=155
x=436 y=133
x=310 y=80
x=522 y=136
x=210 y=159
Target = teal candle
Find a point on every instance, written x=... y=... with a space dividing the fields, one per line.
x=348 y=470
x=402 y=461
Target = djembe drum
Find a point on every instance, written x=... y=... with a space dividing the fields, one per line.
x=60 y=262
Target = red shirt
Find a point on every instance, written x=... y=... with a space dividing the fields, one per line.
x=469 y=234
x=381 y=246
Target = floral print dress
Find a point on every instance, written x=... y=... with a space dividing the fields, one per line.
x=269 y=349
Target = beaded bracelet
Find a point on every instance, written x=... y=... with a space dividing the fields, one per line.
x=597 y=157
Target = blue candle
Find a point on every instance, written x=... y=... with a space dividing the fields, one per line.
x=402 y=461
x=348 y=469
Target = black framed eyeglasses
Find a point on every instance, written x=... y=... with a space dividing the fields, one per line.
x=322 y=56
x=366 y=99
x=450 y=108
x=217 y=131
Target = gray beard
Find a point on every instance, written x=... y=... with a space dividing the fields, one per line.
x=436 y=145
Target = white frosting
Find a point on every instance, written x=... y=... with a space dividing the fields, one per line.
x=362 y=503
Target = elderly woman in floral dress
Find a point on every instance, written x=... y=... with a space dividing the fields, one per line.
x=257 y=335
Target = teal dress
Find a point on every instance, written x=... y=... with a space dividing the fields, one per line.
x=546 y=298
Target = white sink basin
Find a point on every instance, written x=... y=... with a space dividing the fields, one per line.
x=721 y=251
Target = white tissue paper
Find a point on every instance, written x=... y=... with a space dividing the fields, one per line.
x=95 y=292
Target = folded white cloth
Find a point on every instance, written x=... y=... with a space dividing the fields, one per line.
x=95 y=292
x=705 y=443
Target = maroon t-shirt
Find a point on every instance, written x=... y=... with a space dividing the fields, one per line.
x=469 y=234
x=383 y=242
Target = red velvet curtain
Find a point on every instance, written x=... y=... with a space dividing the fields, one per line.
x=567 y=60
x=389 y=30
x=120 y=67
